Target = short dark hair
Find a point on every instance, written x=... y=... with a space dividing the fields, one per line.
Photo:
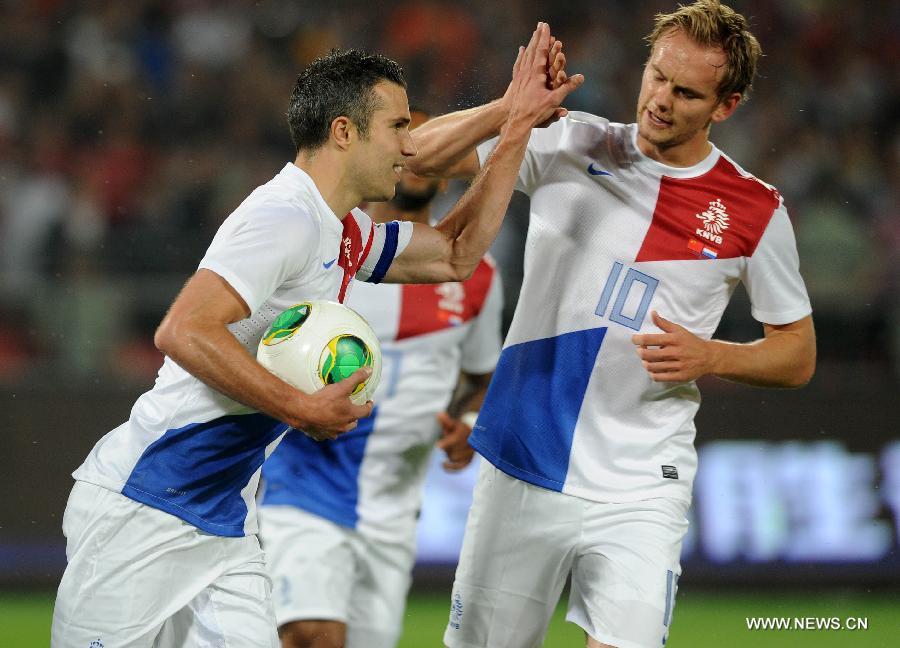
x=341 y=83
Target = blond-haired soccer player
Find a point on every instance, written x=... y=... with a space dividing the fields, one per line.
x=639 y=233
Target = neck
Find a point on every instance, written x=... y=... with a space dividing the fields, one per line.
x=330 y=179
x=685 y=154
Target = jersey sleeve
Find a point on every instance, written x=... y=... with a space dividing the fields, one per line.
x=384 y=243
x=257 y=251
x=481 y=347
x=543 y=146
x=772 y=275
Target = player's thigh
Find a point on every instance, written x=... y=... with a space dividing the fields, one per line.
x=94 y=597
x=130 y=568
x=383 y=577
x=624 y=580
x=235 y=610
x=312 y=563
x=517 y=551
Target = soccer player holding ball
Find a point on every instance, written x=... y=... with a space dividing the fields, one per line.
x=638 y=235
x=161 y=523
x=338 y=518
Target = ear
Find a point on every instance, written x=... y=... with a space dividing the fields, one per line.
x=343 y=132
x=726 y=107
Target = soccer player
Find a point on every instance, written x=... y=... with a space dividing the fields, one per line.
x=338 y=518
x=161 y=523
x=639 y=233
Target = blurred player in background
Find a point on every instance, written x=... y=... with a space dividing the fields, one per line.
x=161 y=523
x=638 y=235
x=338 y=518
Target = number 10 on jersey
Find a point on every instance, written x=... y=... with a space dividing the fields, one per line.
x=632 y=296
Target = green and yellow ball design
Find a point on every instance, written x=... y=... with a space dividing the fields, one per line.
x=342 y=356
x=317 y=343
x=286 y=324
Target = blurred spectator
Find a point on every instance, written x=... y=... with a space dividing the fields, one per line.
x=34 y=202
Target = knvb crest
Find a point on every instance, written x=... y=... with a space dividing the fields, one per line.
x=715 y=222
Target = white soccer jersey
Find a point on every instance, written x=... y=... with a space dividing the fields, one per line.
x=371 y=478
x=191 y=451
x=614 y=235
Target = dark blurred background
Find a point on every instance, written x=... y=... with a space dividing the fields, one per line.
x=130 y=130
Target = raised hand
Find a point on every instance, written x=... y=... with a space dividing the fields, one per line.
x=676 y=354
x=556 y=65
x=329 y=412
x=531 y=96
x=554 y=73
x=556 y=76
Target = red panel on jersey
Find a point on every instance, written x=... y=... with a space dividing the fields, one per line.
x=352 y=250
x=719 y=215
x=426 y=308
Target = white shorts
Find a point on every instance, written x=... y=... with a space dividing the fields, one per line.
x=139 y=577
x=523 y=541
x=324 y=571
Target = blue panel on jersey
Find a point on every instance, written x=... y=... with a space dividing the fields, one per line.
x=197 y=472
x=321 y=477
x=527 y=422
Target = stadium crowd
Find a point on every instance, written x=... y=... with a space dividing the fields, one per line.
x=129 y=130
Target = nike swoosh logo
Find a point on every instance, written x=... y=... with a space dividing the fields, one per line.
x=597 y=172
x=330 y=263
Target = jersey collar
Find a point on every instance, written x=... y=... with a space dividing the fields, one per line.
x=658 y=168
x=301 y=181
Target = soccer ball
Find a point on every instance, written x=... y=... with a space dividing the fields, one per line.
x=319 y=343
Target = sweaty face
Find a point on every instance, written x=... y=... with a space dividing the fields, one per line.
x=382 y=153
x=678 y=99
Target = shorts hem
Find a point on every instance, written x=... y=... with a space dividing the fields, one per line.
x=459 y=644
x=612 y=640
x=307 y=615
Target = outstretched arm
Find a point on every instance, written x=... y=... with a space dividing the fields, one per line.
x=784 y=357
x=194 y=334
x=451 y=250
x=446 y=144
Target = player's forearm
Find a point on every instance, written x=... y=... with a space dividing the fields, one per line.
x=212 y=354
x=473 y=223
x=783 y=359
x=469 y=394
x=444 y=141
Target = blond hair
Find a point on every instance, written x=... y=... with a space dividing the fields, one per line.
x=710 y=23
